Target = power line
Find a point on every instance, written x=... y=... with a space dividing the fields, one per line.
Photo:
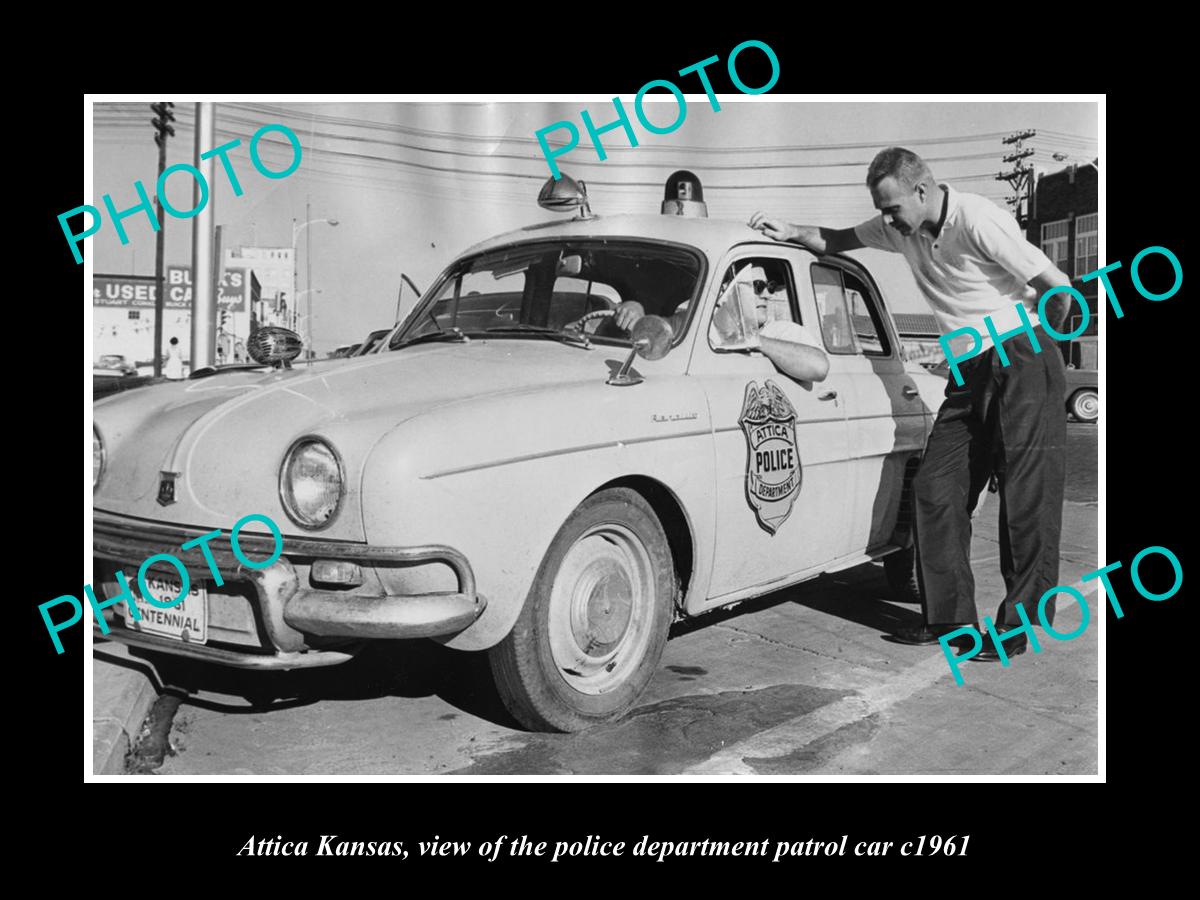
x=373 y=124
x=608 y=164
x=541 y=176
x=1067 y=136
x=674 y=148
x=448 y=135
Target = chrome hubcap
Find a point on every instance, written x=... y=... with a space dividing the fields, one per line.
x=601 y=609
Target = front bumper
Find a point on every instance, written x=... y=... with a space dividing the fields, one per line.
x=302 y=625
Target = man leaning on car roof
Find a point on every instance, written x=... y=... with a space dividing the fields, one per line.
x=971 y=261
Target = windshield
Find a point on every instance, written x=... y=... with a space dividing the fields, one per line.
x=546 y=288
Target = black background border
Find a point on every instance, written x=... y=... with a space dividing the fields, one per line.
x=1147 y=444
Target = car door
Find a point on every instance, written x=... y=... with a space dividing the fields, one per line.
x=780 y=447
x=886 y=417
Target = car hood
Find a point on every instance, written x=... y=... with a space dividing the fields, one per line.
x=224 y=436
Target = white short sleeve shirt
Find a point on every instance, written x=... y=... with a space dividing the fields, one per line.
x=787 y=330
x=978 y=266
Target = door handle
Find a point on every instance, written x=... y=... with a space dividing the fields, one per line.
x=828 y=395
x=910 y=392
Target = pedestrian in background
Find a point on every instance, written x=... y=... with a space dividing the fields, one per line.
x=174 y=364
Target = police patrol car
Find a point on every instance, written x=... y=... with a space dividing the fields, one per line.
x=517 y=473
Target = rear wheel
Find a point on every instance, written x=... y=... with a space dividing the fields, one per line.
x=1085 y=405
x=593 y=627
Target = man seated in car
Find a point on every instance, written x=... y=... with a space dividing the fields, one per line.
x=741 y=321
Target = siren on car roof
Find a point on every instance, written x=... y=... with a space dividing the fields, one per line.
x=563 y=195
x=684 y=196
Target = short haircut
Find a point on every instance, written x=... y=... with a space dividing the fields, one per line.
x=896 y=162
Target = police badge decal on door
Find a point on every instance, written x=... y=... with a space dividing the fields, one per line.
x=773 y=472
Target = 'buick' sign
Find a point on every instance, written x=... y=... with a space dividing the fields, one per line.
x=137 y=291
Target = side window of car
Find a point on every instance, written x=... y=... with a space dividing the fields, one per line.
x=832 y=309
x=865 y=317
x=753 y=292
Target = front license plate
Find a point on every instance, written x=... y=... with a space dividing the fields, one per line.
x=186 y=621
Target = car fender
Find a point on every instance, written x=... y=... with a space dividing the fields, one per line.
x=496 y=479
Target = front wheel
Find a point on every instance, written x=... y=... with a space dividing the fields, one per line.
x=1085 y=405
x=593 y=627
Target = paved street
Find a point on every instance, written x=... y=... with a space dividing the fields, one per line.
x=800 y=682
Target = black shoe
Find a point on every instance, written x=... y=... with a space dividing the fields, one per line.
x=929 y=634
x=988 y=653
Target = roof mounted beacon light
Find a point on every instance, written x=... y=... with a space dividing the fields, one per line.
x=564 y=195
x=684 y=196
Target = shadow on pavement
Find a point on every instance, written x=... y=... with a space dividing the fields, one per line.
x=417 y=668
x=423 y=668
x=663 y=738
x=859 y=599
x=858 y=595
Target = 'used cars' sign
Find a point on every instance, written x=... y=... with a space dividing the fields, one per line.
x=137 y=291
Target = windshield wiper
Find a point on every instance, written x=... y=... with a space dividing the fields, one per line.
x=580 y=340
x=453 y=335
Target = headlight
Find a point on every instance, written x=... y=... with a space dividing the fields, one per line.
x=97 y=457
x=310 y=483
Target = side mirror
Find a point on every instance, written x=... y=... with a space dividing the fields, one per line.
x=651 y=338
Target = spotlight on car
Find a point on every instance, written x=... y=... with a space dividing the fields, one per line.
x=274 y=346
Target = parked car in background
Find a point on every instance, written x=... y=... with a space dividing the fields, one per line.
x=1082 y=396
x=372 y=342
x=108 y=381
x=116 y=362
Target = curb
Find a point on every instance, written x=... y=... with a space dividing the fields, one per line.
x=123 y=690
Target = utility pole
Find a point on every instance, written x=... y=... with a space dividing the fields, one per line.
x=163 y=117
x=204 y=267
x=218 y=277
x=308 y=278
x=294 y=309
x=1020 y=179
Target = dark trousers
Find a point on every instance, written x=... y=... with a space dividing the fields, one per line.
x=1010 y=420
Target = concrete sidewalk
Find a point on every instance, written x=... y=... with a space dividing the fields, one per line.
x=124 y=688
x=824 y=644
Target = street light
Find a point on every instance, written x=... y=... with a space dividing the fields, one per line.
x=296 y=318
x=296 y=229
